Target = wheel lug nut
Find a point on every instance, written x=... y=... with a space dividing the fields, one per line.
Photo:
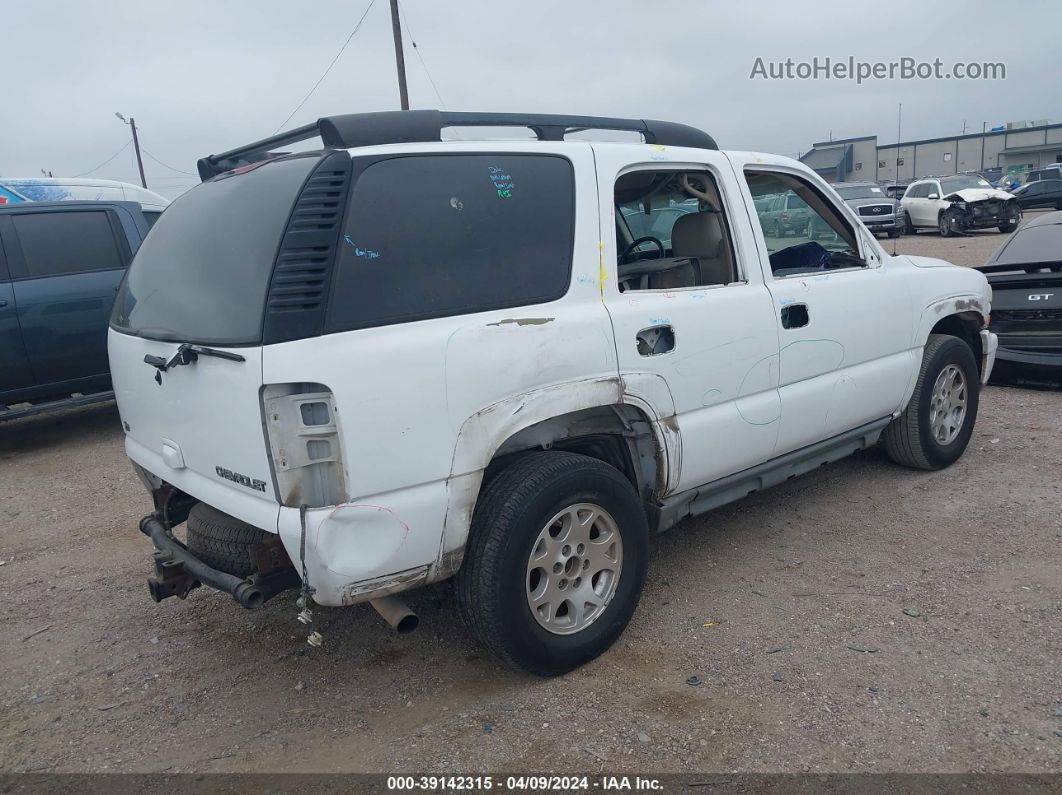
x=567 y=550
x=578 y=580
x=586 y=565
x=557 y=568
x=562 y=584
x=580 y=549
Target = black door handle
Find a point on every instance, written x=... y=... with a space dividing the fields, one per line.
x=655 y=340
x=795 y=316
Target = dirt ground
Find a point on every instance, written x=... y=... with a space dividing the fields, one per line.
x=971 y=249
x=860 y=618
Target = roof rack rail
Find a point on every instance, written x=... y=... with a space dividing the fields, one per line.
x=415 y=126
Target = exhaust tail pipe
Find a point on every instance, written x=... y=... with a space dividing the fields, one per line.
x=396 y=613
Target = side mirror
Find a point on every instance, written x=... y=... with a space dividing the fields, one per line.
x=932 y=196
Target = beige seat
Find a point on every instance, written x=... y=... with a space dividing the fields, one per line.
x=701 y=235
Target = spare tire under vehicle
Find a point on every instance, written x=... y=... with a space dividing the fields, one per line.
x=222 y=541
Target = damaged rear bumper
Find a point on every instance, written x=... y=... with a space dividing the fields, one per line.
x=178 y=571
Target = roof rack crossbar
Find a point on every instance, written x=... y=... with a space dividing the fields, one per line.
x=415 y=126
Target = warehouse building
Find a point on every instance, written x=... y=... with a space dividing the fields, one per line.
x=861 y=159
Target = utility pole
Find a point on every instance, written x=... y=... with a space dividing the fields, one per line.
x=899 y=126
x=984 y=124
x=136 y=145
x=400 y=60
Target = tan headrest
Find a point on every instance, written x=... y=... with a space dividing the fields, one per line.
x=697 y=235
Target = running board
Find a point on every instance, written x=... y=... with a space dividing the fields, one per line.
x=671 y=510
x=76 y=401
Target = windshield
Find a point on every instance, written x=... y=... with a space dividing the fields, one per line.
x=952 y=184
x=203 y=272
x=860 y=192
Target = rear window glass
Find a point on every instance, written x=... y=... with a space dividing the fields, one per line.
x=203 y=272
x=55 y=243
x=1041 y=243
x=429 y=236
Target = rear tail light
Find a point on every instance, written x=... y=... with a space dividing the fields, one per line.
x=303 y=431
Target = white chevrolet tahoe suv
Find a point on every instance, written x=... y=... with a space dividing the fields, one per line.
x=400 y=359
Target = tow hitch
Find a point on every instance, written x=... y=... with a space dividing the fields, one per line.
x=178 y=572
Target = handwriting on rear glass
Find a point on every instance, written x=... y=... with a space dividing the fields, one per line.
x=503 y=181
x=365 y=253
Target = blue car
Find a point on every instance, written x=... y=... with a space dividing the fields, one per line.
x=60 y=267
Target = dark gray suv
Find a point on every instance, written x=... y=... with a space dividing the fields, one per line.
x=875 y=209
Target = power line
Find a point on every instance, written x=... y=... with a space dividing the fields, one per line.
x=167 y=165
x=105 y=162
x=329 y=69
x=420 y=57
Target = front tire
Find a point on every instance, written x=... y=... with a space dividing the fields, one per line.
x=944 y=225
x=934 y=429
x=555 y=563
x=909 y=228
x=1007 y=228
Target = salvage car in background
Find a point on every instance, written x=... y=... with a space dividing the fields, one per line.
x=784 y=214
x=60 y=267
x=895 y=190
x=1026 y=280
x=58 y=189
x=1053 y=171
x=1042 y=193
x=878 y=212
x=953 y=205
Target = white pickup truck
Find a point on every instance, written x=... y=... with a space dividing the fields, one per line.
x=400 y=359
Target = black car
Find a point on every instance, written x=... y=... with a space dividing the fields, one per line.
x=60 y=267
x=896 y=190
x=1042 y=193
x=1026 y=279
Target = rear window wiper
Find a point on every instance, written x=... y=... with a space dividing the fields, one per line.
x=187 y=353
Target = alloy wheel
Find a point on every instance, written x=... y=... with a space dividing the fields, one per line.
x=574 y=568
x=947 y=405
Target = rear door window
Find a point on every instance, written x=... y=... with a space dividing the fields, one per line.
x=435 y=235
x=57 y=243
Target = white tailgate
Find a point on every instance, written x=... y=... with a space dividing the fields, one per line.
x=201 y=428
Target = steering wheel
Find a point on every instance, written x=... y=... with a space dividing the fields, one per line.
x=635 y=243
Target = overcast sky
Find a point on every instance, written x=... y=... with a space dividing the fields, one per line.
x=201 y=77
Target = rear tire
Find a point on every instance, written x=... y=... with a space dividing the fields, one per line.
x=537 y=549
x=222 y=541
x=914 y=438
